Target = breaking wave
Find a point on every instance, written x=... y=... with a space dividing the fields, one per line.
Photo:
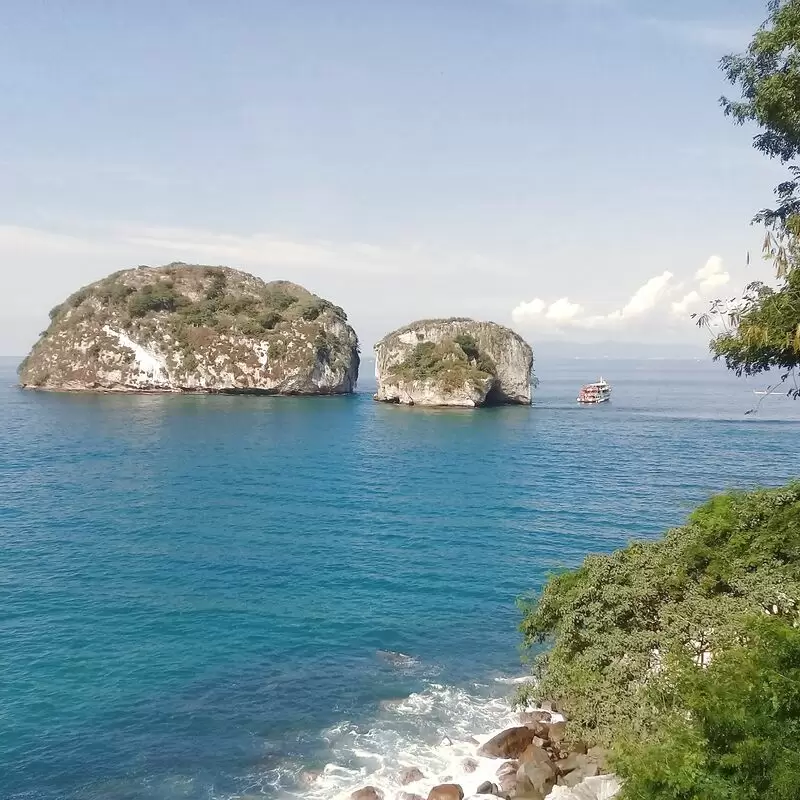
x=437 y=730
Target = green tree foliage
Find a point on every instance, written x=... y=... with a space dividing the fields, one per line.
x=768 y=76
x=218 y=284
x=468 y=344
x=761 y=330
x=611 y=624
x=724 y=732
x=452 y=362
x=160 y=296
x=764 y=332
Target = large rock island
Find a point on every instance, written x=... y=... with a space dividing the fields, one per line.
x=453 y=362
x=194 y=328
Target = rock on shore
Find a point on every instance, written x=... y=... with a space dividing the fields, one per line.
x=194 y=328
x=453 y=362
x=534 y=760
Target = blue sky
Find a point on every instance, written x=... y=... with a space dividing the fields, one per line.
x=404 y=158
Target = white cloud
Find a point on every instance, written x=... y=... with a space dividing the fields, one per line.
x=15 y=239
x=525 y=312
x=647 y=296
x=655 y=298
x=712 y=274
x=562 y=310
x=681 y=307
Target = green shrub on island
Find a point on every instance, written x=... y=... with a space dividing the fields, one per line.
x=613 y=626
x=453 y=362
x=158 y=296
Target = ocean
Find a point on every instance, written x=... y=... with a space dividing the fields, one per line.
x=225 y=597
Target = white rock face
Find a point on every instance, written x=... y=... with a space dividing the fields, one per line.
x=600 y=787
x=512 y=358
x=186 y=328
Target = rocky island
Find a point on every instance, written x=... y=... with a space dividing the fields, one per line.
x=453 y=362
x=188 y=328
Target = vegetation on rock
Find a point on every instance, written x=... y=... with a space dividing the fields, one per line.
x=207 y=327
x=453 y=362
x=630 y=637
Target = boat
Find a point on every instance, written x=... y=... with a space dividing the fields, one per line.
x=599 y=392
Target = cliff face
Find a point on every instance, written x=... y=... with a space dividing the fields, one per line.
x=194 y=328
x=453 y=362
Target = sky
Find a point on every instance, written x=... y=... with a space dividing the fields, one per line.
x=559 y=166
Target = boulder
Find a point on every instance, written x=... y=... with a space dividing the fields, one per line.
x=367 y=793
x=183 y=328
x=453 y=362
x=510 y=743
x=469 y=765
x=446 y=791
x=601 y=787
x=534 y=718
x=557 y=731
x=534 y=755
x=540 y=742
x=536 y=778
x=507 y=777
x=507 y=768
x=410 y=775
x=600 y=755
x=585 y=769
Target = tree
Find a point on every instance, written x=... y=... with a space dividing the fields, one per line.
x=727 y=731
x=612 y=625
x=761 y=330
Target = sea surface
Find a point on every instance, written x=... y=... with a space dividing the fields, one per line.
x=222 y=597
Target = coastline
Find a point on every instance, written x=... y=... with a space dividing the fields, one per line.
x=413 y=745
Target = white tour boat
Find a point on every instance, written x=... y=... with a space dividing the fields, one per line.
x=599 y=392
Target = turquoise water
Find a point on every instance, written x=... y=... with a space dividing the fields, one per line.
x=196 y=593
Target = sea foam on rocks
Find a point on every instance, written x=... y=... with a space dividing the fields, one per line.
x=438 y=731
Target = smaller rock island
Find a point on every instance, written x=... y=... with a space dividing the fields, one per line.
x=453 y=362
x=190 y=328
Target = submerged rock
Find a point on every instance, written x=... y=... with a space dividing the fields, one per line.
x=410 y=775
x=453 y=362
x=194 y=328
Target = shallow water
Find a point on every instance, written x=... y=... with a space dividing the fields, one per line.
x=194 y=591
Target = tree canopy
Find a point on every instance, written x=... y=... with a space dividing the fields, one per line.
x=611 y=625
x=728 y=731
x=761 y=330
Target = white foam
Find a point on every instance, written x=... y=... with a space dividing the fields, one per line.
x=516 y=681
x=436 y=730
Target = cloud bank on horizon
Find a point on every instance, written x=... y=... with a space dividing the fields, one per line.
x=662 y=298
